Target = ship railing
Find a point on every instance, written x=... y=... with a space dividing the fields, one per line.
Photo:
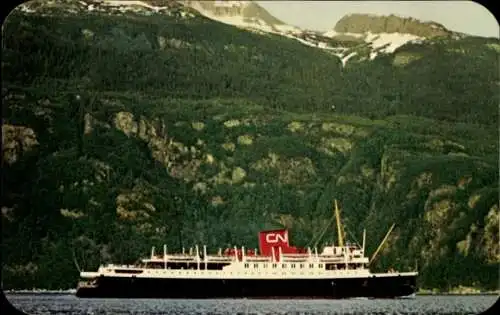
x=178 y=260
x=117 y=266
x=296 y=255
x=181 y=257
x=323 y=258
x=292 y=258
x=171 y=257
x=259 y=259
x=219 y=259
x=176 y=256
x=332 y=255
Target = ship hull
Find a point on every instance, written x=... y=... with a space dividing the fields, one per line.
x=130 y=287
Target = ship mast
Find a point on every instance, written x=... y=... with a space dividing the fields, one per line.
x=339 y=227
x=382 y=243
x=364 y=240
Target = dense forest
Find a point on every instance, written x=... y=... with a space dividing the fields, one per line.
x=123 y=132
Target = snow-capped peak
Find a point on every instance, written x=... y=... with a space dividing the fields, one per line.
x=244 y=14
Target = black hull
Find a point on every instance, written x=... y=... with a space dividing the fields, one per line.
x=373 y=287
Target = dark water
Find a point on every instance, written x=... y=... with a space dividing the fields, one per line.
x=69 y=304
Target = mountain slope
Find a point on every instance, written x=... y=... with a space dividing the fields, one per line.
x=361 y=36
x=126 y=130
x=245 y=14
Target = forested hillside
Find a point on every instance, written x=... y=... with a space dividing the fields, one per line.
x=124 y=131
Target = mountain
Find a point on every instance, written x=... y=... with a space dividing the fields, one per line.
x=110 y=7
x=377 y=24
x=385 y=34
x=354 y=37
x=246 y=14
x=131 y=126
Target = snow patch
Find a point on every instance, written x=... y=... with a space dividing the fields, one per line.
x=229 y=4
x=323 y=45
x=287 y=28
x=344 y=60
x=333 y=33
x=392 y=40
x=330 y=33
x=240 y=21
x=118 y=3
x=26 y=9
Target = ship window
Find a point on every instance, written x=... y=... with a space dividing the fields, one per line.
x=311 y=265
x=283 y=265
x=255 y=265
x=320 y=265
x=246 y=265
x=293 y=265
x=265 y=265
x=275 y=265
x=301 y=265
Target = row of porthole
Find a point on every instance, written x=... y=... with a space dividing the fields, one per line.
x=283 y=265
x=202 y=272
x=211 y=271
x=217 y=271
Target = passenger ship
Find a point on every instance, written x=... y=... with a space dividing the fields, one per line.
x=277 y=270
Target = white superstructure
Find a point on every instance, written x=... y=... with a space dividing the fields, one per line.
x=333 y=262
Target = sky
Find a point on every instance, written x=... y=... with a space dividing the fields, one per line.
x=461 y=16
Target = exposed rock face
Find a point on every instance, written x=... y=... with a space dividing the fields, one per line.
x=490 y=239
x=17 y=140
x=290 y=171
x=180 y=160
x=362 y=23
x=248 y=10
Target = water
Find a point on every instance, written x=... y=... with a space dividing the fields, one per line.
x=69 y=304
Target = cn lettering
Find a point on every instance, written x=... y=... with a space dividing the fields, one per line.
x=275 y=238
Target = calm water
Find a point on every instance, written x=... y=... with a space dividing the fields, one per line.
x=69 y=304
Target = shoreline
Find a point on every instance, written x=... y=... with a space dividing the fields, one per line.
x=418 y=293
x=455 y=293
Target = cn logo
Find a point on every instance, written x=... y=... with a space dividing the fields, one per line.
x=276 y=238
